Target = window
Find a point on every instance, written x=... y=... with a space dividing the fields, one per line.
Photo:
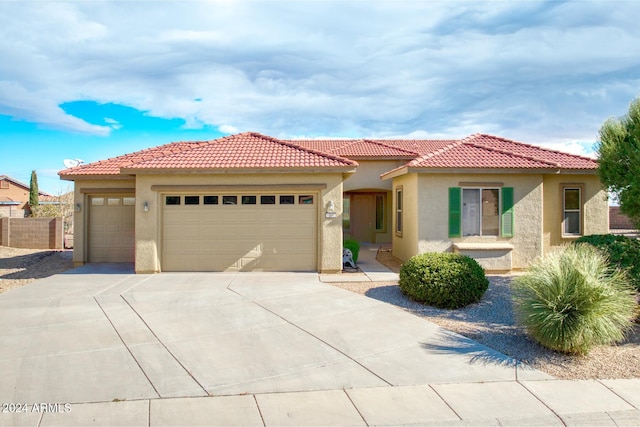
x=210 y=200
x=249 y=200
x=346 y=212
x=191 y=200
x=399 y=211
x=480 y=212
x=380 y=217
x=267 y=200
x=129 y=201
x=287 y=200
x=172 y=200
x=97 y=201
x=305 y=200
x=113 y=201
x=571 y=211
x=229 y=200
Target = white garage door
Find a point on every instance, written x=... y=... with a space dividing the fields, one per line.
x=239 y=232
x=112 y=229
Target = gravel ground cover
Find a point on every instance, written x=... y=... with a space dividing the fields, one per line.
x=21 y=266
x=491 y=322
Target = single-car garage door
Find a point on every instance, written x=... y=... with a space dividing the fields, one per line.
x=112 y=229
x=239 y=232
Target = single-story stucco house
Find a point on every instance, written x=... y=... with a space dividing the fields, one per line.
x=253 y=202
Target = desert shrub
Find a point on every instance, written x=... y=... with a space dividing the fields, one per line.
x=443 y=280
x=353 y=246
x=571 y=300
x=622 y=252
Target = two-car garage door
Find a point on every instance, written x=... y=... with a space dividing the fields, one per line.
x=239 y=232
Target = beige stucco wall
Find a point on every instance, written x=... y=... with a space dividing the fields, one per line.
x=405 y=246
x=80 y=219
x=367 y=179
x=595 y=205
x=149 y=225
x=367 y=176
x=432 y=213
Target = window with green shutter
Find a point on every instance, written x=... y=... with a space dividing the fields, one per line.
x=455 y=218
x=475 y=212
x=507 y=212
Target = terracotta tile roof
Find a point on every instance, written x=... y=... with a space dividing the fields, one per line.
x=246 y=150
x=420 y=146
x=465 y=155
x=253 y=150
x=565 y=160
x=487 y=151
x=112 y=166
x=360 y=148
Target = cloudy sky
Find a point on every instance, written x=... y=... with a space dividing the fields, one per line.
x=91 y=80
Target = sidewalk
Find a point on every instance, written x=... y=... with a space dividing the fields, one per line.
x=515 y=403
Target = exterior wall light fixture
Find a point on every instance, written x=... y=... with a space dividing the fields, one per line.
x=78 y=207
x=331 y=210
x=145 y=206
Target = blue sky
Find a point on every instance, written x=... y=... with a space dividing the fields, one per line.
x=93 y=79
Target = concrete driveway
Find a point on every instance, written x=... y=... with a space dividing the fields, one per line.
x=101 y=335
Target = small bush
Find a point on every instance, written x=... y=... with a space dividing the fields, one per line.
x=571 y=300
x=623 y=253
x=353 y=246
x=443 y=280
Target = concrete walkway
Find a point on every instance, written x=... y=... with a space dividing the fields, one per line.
x=102 y=346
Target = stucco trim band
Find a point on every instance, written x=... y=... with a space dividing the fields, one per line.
x=240 y=187
x=107 y=191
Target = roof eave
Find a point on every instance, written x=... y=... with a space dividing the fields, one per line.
x=176 y=171
x=96 y=176
x=402 y=170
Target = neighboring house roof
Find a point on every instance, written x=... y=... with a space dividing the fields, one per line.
x=21 y=184
x=251 y=150
x=48 y=200
x=9 y=201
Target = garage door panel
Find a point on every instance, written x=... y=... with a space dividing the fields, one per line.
x=239 y=238
x=111 y=232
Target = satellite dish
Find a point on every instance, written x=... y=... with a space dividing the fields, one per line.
x=72 y=163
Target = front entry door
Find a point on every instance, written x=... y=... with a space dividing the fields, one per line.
x=363 y=217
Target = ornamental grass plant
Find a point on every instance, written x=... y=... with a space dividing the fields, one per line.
x=571 y=300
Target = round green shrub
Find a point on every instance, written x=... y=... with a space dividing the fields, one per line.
x=571 y=300
x=622 y=252
x=443 y=280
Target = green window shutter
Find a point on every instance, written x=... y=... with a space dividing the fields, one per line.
x=507 y=212
x=455 y=212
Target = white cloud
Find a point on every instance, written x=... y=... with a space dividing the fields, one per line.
x=228 y=129
x=536 y=71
